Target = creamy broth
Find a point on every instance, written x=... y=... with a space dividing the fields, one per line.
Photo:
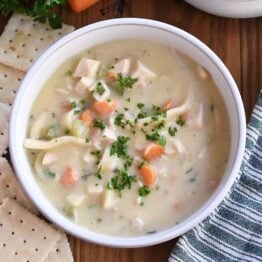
x=128 y=138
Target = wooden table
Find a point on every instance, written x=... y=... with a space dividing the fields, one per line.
x=237 y=42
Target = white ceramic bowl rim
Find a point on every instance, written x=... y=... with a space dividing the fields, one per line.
x=53 y=215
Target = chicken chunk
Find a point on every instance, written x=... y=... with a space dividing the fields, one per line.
x=100 y=90
x=123 y=67
x=83 y=86
x=142 y=72
x=87 y=67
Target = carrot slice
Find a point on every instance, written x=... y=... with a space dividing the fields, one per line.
x=69 y=178
x=153 y=151
x=111 y=76
x=87 y=117
x=168 y=105
x=80 y=5
x=148 y=175
x=104 y=108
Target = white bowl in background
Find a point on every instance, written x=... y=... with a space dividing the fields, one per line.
x=230 y=8
x=86 y=37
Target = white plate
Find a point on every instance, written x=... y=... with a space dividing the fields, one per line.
x=230 y=8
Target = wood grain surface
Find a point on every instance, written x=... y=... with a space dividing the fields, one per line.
x=236 y=42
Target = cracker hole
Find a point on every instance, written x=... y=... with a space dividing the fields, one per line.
x=17 y=56
x=4 y=245
x=57 y=250
x=60 y=33
x=18 y=79
x=21 y=221
x=16 y=253
x=16 y=30
x=10 y=213
x=5 y=75
x=5 y=52
x=24 y=241
x=36 y=49
x=36 y=250
x=23 y=45
x=7 y=186
x=1 y=224
x=1 y=88
x=46 y=29
x=13 y=233
x=45 y=237
x=10 y=41
x=33 y=230
x=31 y=60
x=15 y=198
x=28 y=35
x=41 y=39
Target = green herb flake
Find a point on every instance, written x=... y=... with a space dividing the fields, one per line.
x=51 y=174
x=180 y=121
x=67 y=131
x=69 y=72
x=119 y=147
x=143 y=191
x=172 y=131
x=87 y=140
x=99 y=124
x=73 y=104
x=121 y=181
x=98 y=173
x=96 y=153
x=100 y=88
x=119 y=119
x=77 y=111
x=124 y=82
x=69 y=211
x=128 y=99
x=157 y=138
x=140 y=105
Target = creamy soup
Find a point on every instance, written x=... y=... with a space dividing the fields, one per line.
x=128 y=138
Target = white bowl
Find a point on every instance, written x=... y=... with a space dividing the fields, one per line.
x=230 y=8
x=94 y=34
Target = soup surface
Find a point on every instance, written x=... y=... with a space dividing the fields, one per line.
x=128 y=138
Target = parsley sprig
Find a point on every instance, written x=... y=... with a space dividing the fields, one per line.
x=41 y=10
x=122 y=83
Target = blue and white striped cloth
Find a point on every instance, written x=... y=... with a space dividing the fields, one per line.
x=233 y=232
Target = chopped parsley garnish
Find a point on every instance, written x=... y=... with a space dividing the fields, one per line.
x=157 y=138
x=67 y=131
x=87 y=140
x=124 y=82
x=50 y=174
x=83 y=102
x=121 y=181
x=172 y=131
x=143 y=191
x=140 y=105
x=98 y=173
x=160 y=125
x=142 y=164
x=99 y=124
x=100 y=89
x=180 y=121
x=128 y=99
x=119 y=120
x=119 y=147
x=96 y=153
x=142 y=114
x=73 y=104
x=128 y=161
x=77 y=111
x=69 y=72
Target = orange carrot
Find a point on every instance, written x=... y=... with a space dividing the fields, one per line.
x=168 y=105
x=104 y=108
x=152 y=151
x=69 y=178
x=148 y=175
x=111 y=76
x=87 y=117
x=80 y=5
